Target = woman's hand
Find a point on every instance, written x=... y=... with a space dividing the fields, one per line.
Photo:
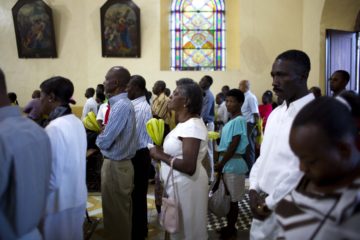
x=155 y=152
x=219 y=166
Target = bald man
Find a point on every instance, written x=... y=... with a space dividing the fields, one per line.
x=118 y=144
x=250 y=111
x=24 y=173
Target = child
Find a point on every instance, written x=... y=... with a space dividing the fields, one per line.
x=326 y=202
x=232 y=165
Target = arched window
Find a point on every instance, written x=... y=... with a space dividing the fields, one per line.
x=197 y=35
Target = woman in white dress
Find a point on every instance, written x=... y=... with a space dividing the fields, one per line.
x=66 y=202
x=187 y=145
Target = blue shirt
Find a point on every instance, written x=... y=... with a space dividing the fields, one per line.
x=234 y=127
x=118 y=140
x=249 y=107
x=142 y=114
x=25 y=165
x=207 y=111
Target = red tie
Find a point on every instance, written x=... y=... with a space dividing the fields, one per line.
x=107 y=114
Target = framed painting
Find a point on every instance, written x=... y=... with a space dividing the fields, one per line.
x=120 y=29
x=34 y=29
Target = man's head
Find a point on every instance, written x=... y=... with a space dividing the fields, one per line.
x=220 y=97
x=206 y=82
x=290 y=72
x=328 y=121
x=90 y=92
x=225 y=89
x=100 y=88
x=244 y=86
x=36 y=94
x=100 y=97
x=316 y=91
x=267 y=97
x=338 y=81
x=159 y=87
x=116 y=80
x=4 y=100
x=167 y=92
x=136 y=87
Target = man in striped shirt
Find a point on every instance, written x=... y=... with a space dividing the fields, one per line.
x=118 y=144
x=136 y=93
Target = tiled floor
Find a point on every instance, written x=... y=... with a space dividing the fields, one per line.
x=96 y=232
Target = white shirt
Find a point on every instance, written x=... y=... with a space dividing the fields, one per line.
x=143 y=115
x=249 y=107
x=192 y=128
x=222 y=114
x=90 y=106
x=68 y=171
x=277 y=171
x=102 y=111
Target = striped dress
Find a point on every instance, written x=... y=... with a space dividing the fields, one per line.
x=309 y=215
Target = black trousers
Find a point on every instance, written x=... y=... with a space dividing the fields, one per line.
x=141 y=163
x=250 y=149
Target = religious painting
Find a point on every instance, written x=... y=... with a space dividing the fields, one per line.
x=120 y=29
x=34 y=29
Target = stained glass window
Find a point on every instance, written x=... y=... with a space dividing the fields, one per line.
x=197 y=35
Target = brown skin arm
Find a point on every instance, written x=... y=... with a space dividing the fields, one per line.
x=229 y=153
x=186 y=165
x=257 y=205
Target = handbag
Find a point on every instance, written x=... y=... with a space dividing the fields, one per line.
x=219 y=199
x=169 y=218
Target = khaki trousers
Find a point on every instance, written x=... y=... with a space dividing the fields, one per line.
x=117 y=182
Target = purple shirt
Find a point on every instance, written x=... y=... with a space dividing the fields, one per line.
x=33 y=109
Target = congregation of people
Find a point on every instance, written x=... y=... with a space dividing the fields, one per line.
x=300 y=154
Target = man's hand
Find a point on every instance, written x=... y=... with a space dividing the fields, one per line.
x=258 y=207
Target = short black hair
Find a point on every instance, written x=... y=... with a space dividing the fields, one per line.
x=316 y=91
x=13 y=97
x=61 y=87
x=225 y=87
x=300 y=58
x=139 y=81
x=331 y=115
x=100 y=96
x=167 y=92
x=237 y=94
x=100 y=88
x=192 y=91
x=90 y=92
x=344 y=75
x=208 y=79
x=221 y=95
x=161 y=84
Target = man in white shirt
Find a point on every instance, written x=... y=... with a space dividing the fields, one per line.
x=90 y=105
x=222 y=113
x=276 y=172
x=250 y=111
